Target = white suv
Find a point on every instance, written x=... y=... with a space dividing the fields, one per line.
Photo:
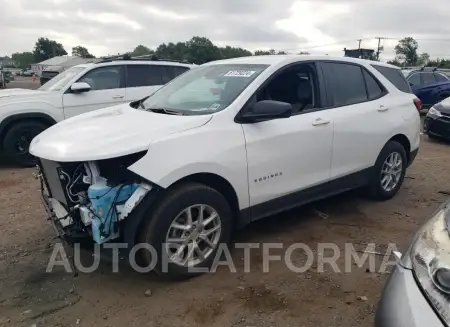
x=26 y=113
x=227 y=143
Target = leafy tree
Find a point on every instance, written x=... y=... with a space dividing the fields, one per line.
x=142 y=50
x=201 y=50
x=304 y=53
x=264 y=52
x=230 y=52
x=82 y=52
x=406 y=51
x=23 y=60
x=395 y=62
x=45 y=49
x=423 y=59
x=172 y=51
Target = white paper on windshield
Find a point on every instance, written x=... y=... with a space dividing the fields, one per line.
x=240 y=73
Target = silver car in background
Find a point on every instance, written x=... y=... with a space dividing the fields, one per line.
x=417 y=292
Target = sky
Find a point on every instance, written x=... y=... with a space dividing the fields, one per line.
x=317 y=26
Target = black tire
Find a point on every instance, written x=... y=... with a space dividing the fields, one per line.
x=376 y=190
x=156 y=227
x=17 y=141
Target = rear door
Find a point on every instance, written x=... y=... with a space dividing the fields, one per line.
x=360 y=113
x=107 y=89
x=143 y=80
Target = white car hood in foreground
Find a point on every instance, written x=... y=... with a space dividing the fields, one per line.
x=21 y=92
x=108 y=133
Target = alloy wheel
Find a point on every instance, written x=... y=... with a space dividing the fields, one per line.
x=193 y=235
x=391 y=171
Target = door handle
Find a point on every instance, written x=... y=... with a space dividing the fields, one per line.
x=383 y=108
x=320 y=121
x=118 y=97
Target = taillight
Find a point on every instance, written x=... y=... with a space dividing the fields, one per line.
x=418 y=103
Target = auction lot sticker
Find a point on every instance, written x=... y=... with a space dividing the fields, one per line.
x=240 y=73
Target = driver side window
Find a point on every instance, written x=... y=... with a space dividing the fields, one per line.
x=296 y=85
x=104 y=78
x=414 y=79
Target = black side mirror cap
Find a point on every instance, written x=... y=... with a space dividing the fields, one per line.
x=266 y=110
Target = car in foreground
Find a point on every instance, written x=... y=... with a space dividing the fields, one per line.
x=437 y=121
x=79 y=89
x=417 y=292
x=429 y=84
x=225 y=144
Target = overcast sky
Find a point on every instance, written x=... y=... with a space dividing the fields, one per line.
x=318 y=26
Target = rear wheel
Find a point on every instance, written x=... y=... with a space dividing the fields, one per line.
x=389 y=171
x=16 y=143
x=186 y=229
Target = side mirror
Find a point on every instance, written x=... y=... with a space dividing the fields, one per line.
x=267 y=110
x=80 y=87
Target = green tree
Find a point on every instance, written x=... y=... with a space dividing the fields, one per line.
x=304 y=53
x=142 y=50
x=230 y=52
x=82 y=52
x=45 y=49
x=265 y=52
x=23 y=60
x=201 y=50
x=172 y=51
x=423 y=60
x=406 y=51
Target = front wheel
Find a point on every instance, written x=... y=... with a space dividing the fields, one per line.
x=186 y=229
x=389 y=171
x=16 y=142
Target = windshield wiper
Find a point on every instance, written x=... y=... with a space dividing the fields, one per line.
x=165 y=111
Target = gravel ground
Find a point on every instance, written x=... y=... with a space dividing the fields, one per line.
x=281 y=297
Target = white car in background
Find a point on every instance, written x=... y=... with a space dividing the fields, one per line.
x=80 y=89
x=224 y=144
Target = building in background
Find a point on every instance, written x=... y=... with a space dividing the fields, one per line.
x=6 y=62
x=360 y=53
x=59 y=64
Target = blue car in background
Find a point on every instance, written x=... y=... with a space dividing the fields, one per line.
x=429 y=84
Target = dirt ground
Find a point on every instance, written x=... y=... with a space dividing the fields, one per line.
x=31 y=297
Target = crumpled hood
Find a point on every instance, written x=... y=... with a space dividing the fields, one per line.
x=108 y=133
x=22 y=93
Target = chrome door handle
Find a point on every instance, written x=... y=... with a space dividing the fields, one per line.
x=320 y=121
x=118 y=97
x=383 y=108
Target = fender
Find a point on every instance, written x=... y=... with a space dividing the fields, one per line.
x=22 y=116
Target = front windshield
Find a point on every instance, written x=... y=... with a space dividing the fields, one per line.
x=61 y=80
x=205 y=89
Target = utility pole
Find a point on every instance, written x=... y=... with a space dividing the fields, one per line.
x=359 y=43
x=379 y=46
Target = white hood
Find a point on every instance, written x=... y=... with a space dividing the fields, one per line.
x=20 y=92
x=108 y=133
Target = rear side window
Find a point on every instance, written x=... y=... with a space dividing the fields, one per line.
x=414 y=79
x=440 y=77
x=374 y=89
x=346 y=82
x=394 y=76
x=428 y=78
x=178 y=70
x=143 y=75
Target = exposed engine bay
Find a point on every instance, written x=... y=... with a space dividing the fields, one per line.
x=90 y=199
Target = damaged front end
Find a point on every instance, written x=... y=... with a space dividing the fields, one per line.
x=91 y=200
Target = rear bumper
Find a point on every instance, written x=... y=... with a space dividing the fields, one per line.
x=402 y=303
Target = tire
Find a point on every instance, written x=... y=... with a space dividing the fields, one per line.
x=156 y=228
x=17 y=140
x=377 y=191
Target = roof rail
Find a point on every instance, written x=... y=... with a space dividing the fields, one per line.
x=127 y=56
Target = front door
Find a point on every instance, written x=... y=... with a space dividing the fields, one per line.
x=290 y=154
x=107 y=89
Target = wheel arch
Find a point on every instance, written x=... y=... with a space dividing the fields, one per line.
x=217 y=182
x=9 y=121
x=404 y=141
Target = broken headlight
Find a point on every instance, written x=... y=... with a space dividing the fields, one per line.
x=430 y=258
